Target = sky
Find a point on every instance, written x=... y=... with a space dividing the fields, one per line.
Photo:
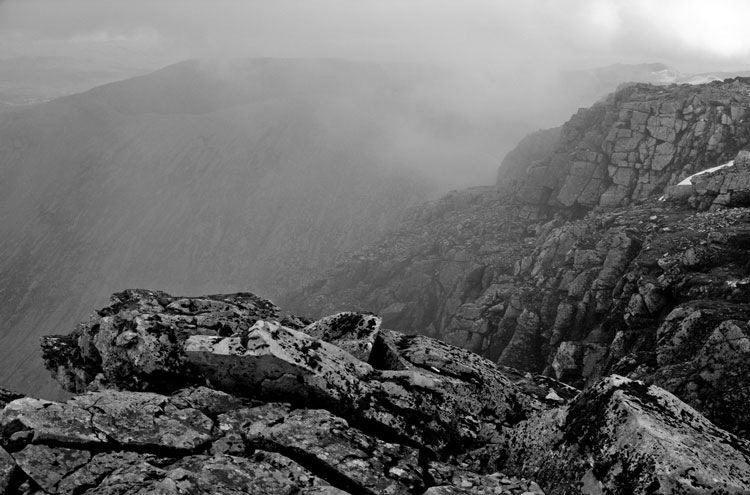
x=520 y=35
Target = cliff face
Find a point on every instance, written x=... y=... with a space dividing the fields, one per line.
x=221 y=394
x=636 y=142
x=584 y=271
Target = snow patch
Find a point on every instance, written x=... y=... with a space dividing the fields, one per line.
x=687 y=181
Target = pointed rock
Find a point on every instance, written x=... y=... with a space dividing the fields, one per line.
x=621 y=436
x=48 y=466
x=352 y=332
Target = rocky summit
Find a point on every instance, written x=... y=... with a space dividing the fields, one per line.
x=225 y=394
x=615 y=244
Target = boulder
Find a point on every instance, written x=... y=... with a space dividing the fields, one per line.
x=49 y=466
x=317 y=438
x=277 y=363
x=107 y=418
x=742 y=161
x=622 y=436
x=352 y=332
x=136 y=343
x=7 y=468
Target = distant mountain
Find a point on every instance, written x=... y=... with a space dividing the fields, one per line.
x=34 y=79
x=211 y=176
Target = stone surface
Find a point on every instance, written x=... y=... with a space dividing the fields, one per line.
x=48 y=466
x=146 y=420
x=278 y=363
x=317 y=438
x=574 y=300
x=352 y=332
x=7 y=467
x=100 y=419
x=136 y=342
x=621 y=436
x=422 y=416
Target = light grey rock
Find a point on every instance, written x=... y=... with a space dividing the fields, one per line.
x=621 y=436
x=316 y=437
x=278 y=363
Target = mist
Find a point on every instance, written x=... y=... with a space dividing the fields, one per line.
x=504 y=58
x=507 y=56
x=296 y=133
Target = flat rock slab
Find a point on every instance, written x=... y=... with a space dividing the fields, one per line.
x=136 y=342
x=47 y=466
x=69 y=471
x=442 y=397
x=125 y=419
x=146 y=420
x=277 y=363
x=265 y=472
x=360 y=463
x=49 y=422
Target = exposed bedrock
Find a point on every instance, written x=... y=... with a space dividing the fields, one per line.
x=631 y=145
x=271 y=409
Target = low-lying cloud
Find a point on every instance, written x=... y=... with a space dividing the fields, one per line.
x=519 y=35
x=509 y=54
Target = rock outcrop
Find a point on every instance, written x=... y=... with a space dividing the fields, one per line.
x=638 y=141
x=270 y=409
x=591 y=275
x=623 y=437
x=587 y=264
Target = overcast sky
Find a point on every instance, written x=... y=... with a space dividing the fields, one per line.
x=691 y=35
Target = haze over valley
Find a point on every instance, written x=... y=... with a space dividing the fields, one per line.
x=253 y=147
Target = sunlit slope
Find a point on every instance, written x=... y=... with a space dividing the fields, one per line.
x=204 y=177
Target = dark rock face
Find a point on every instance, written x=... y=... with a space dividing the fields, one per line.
x=305 y=416
x=726 y=187
x=515 y=169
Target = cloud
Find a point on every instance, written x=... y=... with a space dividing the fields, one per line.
x=520 y=34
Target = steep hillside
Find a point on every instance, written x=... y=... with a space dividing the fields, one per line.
x=210 y=176
x=584 y=271
x=33 y=79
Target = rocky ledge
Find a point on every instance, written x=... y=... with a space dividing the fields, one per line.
x=221 y=394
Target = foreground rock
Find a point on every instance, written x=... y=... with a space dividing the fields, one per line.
x=135 y=343
x=444 y=399
x=271 y=409
x=622 y=436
